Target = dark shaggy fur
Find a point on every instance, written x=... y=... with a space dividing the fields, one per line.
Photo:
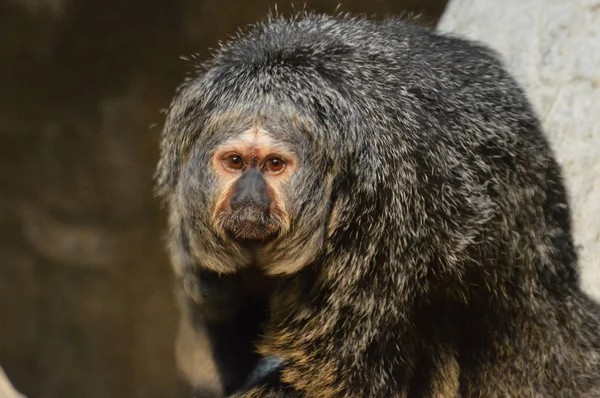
x=429 y=252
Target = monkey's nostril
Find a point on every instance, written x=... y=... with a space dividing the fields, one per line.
x=250 y=191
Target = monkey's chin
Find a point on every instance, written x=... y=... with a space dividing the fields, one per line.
x=250 y=233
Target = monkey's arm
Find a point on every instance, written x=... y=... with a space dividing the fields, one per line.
x=270 y=392
x=215 y=298
x=265 y=381
x=268 y=383
x=334 y=346
x=230 y=318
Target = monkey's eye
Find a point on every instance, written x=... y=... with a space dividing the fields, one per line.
x=274 y=165
x=234 y=162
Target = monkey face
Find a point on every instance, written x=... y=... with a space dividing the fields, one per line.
x=249 y=174
x=251 y=170
x=251 y=190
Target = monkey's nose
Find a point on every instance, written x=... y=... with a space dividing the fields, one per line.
x=250 y=191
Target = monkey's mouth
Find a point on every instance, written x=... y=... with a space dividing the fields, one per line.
x=250 y=226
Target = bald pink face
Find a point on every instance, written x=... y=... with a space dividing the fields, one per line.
x=251 y=169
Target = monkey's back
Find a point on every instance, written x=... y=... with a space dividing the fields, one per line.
x=440 y=113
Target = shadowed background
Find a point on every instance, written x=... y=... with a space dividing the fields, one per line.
x=86 y=305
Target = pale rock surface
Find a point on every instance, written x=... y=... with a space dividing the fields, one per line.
x=6 y=388
x=553 y=49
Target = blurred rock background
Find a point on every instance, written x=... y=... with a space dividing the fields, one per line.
x=86 y=306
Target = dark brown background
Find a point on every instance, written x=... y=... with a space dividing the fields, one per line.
x=86 y=306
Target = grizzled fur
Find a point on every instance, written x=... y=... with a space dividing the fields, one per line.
x=429 y=251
